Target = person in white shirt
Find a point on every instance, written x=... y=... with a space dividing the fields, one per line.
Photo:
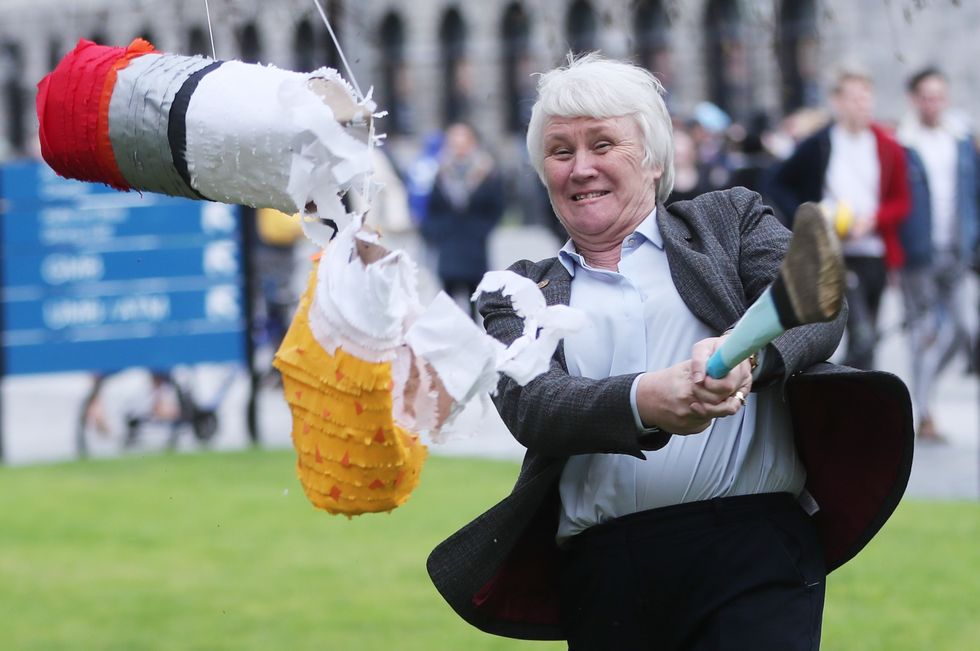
x=853 y=163
x=939 y=237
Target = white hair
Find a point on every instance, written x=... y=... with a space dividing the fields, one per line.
x=596 y=87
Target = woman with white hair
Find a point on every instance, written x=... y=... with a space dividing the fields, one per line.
x=657 y=507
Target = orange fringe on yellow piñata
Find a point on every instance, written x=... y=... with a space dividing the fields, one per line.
x=352 y=457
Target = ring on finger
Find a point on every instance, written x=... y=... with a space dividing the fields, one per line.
x=741 y=397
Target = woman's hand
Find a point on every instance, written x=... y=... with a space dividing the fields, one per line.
x=683 y=399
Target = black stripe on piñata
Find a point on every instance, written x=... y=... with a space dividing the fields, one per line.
x=177 y=125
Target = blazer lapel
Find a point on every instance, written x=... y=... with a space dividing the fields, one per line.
x=705 y=292
x=556 y=284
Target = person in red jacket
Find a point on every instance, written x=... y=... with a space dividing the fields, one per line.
x=855 y=165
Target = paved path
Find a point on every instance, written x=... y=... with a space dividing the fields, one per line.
x=40 y=413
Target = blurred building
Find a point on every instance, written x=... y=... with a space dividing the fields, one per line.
x=432 y=61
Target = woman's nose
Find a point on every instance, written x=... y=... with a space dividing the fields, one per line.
x=583 y=166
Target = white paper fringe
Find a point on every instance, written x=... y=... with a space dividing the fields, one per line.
x=373 y=311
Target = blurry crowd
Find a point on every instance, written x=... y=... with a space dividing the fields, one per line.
x=903 y=198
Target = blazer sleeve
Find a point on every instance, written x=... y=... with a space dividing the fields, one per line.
x=762 y=245
x=559 y=415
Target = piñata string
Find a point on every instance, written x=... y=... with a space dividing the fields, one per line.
x=207 y=10
x=366 y=190
x=340 y=50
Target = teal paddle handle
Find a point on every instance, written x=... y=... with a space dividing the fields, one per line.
x=757 y=327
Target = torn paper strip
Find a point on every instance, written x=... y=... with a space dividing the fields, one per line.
x=363 y=307
x=530 y=354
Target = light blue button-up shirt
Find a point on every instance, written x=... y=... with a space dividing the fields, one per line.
x=637 y=321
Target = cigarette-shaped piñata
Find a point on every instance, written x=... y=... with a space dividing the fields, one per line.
x=137 y=119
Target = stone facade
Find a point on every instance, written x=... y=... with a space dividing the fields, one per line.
x=890 y=39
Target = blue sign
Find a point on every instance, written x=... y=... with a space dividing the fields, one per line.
x=99 y=280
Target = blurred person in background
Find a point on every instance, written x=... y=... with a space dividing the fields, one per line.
x=797 y=127
x=976 y=269
x=275 y=294
x=751 y=160
x=707 y=128
x=853 y=165
x=939 y=237
x=688 y=180
x=390 y=212
x=466 y=203
x=420 y=176
x=782 y=141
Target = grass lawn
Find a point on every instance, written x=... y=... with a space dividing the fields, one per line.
x=222 y=551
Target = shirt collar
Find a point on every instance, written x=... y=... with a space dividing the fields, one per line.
x=648 y=230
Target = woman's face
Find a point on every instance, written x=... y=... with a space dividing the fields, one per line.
x=596 y=178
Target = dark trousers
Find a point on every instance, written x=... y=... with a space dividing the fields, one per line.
x=866 y=279
x=729 y=573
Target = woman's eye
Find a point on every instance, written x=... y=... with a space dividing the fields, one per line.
x=561 y=154
x=603 y=146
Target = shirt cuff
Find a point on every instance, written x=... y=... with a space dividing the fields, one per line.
x=636 y=412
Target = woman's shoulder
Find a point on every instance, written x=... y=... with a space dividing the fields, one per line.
x=717 y=204
x=536 y=271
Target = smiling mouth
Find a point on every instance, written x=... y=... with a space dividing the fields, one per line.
x=589 y=195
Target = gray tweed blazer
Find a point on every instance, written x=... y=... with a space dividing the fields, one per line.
x=853 y=428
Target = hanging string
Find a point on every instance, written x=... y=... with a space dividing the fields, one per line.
x=366 y=187
x=207 y=9
x=340 y=50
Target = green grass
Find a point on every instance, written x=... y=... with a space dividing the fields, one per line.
x=916 y=586
x=222 y=551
